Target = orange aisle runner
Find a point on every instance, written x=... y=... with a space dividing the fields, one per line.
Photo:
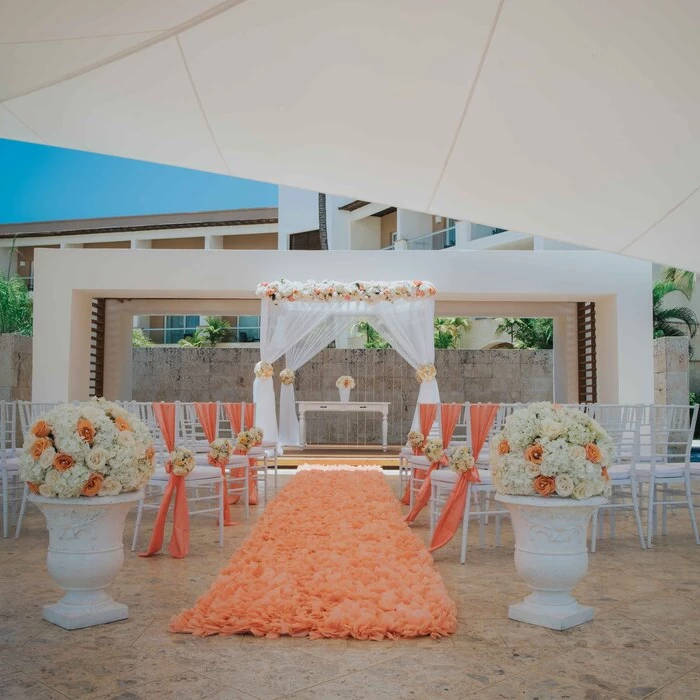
x=330 y=557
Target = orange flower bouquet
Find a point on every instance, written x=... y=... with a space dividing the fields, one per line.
x=547 y=450
x=89 y=449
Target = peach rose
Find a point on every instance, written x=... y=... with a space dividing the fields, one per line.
x=150 y=453
x=593 y=453
x=534 y=453
x=545 y=485
x=121 y=423
x=38 y=447
x=604 y=473
x=86 y=430
x=93 y=485
x=34 y=488
x=62 y=462
x=41 y=429
x=503 y=447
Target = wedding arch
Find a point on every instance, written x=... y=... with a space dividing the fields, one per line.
x=299 y=319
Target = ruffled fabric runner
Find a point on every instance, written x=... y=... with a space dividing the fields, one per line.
x=330 y=557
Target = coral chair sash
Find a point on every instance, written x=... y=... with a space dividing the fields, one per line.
x=481 y=417
x=180 y=538
x=249 y=415
x=235 y=417
x=426 y=413
x=449 y=415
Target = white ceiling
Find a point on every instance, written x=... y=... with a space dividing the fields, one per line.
x=573 y=119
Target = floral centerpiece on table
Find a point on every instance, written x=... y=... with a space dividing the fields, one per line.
x=220 y=452
x=345 y=382
x=94 y=448
x=180 y=461
x=287 y=376
x=460 y=459
x=416 y=440
x=433 y=450
x=550 y=450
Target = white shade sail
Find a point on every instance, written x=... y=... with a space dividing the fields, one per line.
x=578 y=121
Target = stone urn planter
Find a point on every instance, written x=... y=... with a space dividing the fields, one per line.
x=551 y=556
x=344 y=394
x=86 y=552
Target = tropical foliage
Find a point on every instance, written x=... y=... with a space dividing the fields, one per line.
x=676 y=320
x=373 y=339
x=447 y=331
x=15 y=306
x=214 y=331
x=139 y=339
x=533 y=333
x=684 y=280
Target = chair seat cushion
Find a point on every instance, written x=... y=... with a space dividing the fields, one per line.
x=420 y=461
x=662 y=471
x=199 y=472
x=619 y=472
x=447 y=476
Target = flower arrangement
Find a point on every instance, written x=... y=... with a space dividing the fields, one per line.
x=284 y=290
x=264 y=370
x=180 y=461
x=433 y=450
x=426 y=373
x=244 y=442
x=287 y=376
x=550 y=450
x=461 y=459
x=416 y=440
x=256 y=435
x=220 y=452
x=345 y=382
x=89 y=449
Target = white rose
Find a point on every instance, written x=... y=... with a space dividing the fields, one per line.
x=46 y=491
x=578 y=452
x=552 y=429
x=125 y=439
x=533 y=470
x=584 y=489
x=564 y=485
x=97 y=458
x=140 y=450
x=46 y=459
x=110 y=487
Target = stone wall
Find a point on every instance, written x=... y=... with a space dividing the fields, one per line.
x=15 y=367
x=671 y=371
x=226 y=374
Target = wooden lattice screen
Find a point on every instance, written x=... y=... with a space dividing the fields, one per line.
x=97 y=347
x=587 y=370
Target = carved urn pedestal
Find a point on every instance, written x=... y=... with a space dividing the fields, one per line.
x=551 y=556
x=86 y=552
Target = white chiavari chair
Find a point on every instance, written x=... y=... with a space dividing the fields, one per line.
x=12 y=488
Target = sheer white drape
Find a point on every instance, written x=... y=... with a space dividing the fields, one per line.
x=298 y=355
x=409 y=327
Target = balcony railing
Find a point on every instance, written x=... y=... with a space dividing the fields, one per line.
x=438 y=240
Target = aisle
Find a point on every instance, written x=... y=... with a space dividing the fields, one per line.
x=331 y=557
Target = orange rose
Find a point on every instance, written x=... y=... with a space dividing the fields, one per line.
x=503 y=447
x=534 y=453
x=62 y=462
x=41 y=429
x=38 y=447
x=604 y=473
x=122 y=424
x=150 y=453
x=593 y=453
x=93 y=485
x=544 y=485
x=86 y=430
x=34 y=488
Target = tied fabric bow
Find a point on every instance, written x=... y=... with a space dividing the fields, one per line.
x=449 y=415
x=179 y=545
x=427 y=413
x=235 y=413
x=481 y=417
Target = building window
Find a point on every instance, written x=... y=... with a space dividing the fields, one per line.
x=248 y=329
x=177 y=327
x=450 y=234
x=306 y=240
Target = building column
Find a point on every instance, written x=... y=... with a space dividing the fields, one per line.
x=118 y=351
x=463 y=234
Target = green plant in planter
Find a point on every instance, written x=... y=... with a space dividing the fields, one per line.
x=16 y=307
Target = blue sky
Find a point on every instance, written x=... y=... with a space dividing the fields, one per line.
x=42 y=183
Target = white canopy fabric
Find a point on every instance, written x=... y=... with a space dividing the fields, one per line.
x=575 y=120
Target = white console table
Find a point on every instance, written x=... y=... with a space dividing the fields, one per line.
x=381 y=407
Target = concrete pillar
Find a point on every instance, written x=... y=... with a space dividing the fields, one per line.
x=463 y=234
x=118 y=351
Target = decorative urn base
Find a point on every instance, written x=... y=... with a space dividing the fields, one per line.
x=86 y=552
x=551 y=556
x=344 y=394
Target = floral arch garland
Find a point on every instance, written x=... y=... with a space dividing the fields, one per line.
x=299 y=319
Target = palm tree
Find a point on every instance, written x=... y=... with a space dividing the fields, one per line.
x=322 y=221
x=683 y=279
x=139 y=339
x=676 y=321
x=16 y=308
x=533 y=333
x=373 y=340
x=196 y=340
x=447 y=331
x=509 y=326
x=215 y=330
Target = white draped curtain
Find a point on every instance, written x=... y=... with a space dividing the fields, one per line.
x=301 y=329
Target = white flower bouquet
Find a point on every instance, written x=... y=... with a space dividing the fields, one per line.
x=89 y=449
x=461 y=459
x=426 y=373
x=180 y=461
x=550 y=450
x=264 y=370
x=433 y=450
x=287 y=376
x=244 y=442
x=220 y=452
x=256 y=435
x=345 y=382
x=416 y=440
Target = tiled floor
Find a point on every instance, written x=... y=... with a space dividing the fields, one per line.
x=644 y=641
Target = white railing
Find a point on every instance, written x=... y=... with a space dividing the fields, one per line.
x=437 y=240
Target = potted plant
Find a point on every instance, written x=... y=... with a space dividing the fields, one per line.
x=345 y=385
x=85 y=465
x=549 y=467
